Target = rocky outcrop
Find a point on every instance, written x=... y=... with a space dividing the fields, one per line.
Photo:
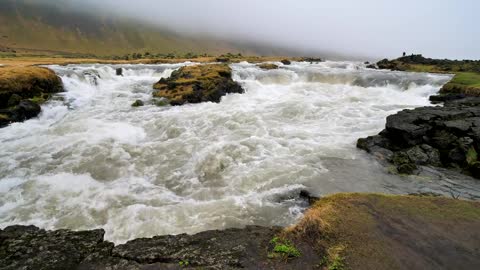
x=198 y=83
x=28 y=247
x=22 y=89
x=267 y=66
x=446 y=136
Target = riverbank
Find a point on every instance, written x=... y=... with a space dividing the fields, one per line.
x=444 y=136
x=343 y=231
x=467 y=72
x=23 y=89
x=35 y=61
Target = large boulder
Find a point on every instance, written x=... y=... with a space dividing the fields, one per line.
x=430 y=136
x=198 y=83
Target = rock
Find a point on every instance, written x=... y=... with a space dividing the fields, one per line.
x=286 y=62
x=267 y=66
x=429 y=136
x=14 y=100
x=417 y=155
x=446 y=97
x=162 y=102
x=198 y=83
x=119 y=71
x=138 y=103
x=372 y=66
x=408 y=168
x=28 y=247
x=313 y=60
x=25 y=110
x=26 y=82
x=222 y=59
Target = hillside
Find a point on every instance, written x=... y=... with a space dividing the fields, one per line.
x=30 y=27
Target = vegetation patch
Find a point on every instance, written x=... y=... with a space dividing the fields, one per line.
x=283 y=248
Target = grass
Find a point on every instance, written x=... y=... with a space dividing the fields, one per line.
x=283 y=248
x=348 y=228
x=464 y=82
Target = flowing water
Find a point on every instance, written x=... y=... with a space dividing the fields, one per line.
x=91 y=160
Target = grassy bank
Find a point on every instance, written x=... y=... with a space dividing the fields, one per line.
x=467 y=72
x=373 y=231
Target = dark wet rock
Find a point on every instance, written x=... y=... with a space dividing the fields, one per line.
x=268 y=66
x=372 y=66
x=222 y=59
x=32 y=248
x=119 y=71
x=429 y=136
x=435 y=99
x=313 y=60
x=14 y=100
x=138 y=103
x=286 y=62
x=28 y=247
x=308 y=197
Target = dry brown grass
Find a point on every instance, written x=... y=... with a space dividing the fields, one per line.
x=373 y=231
x=27 y=82
x=18 y=79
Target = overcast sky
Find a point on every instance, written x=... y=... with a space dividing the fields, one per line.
x=376 y=28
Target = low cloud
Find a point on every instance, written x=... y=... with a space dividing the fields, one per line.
x=372 y=28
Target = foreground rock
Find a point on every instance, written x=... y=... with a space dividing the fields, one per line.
x=198 y=83
x=344 y=231
x=22 y=89
x=446 y=136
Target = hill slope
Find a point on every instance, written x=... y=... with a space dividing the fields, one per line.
x=29 y=26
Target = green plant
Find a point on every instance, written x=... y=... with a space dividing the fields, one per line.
x=283 y=248
x=183 y=263
x=472 y=156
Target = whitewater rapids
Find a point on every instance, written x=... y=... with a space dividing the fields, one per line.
x=92 y=161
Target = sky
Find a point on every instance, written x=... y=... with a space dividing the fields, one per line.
x=372 y=28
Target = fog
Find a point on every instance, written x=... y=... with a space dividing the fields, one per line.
x=371 y=28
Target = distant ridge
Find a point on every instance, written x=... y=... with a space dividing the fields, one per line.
x=30 y=26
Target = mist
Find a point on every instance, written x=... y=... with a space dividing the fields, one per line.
x=369 y=28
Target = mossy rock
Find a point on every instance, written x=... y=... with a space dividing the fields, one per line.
x=268 y=66
x=26 y=82
x=198 y=83
x=138 y=103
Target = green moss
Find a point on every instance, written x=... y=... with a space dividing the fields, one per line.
x=183 y=263
x=39 y=100
x=472 y=156
x=283 y=248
